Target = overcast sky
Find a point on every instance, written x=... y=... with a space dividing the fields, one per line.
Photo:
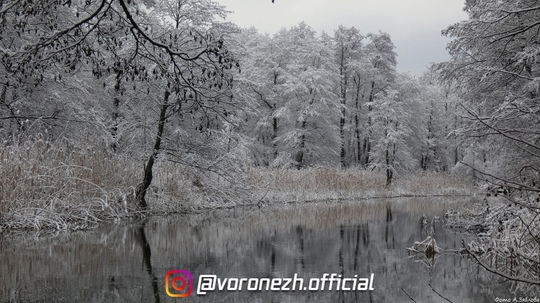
x=414 y=25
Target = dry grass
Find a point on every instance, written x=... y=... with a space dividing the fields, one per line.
x=324 y=183
x=434 y=183
x=316 y=180
x=60 y=186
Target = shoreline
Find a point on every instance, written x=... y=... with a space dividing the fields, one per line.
x=46 y=186
x=71 y=224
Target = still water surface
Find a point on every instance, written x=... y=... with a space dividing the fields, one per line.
x=129 y=263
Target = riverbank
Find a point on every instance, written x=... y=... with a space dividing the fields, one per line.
x=329 y=183
x=505 y=238
x=47 y=187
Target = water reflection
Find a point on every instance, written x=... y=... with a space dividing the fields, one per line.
x=147 y=258
x=129 y=263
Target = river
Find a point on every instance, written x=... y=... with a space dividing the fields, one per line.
x=365 y=240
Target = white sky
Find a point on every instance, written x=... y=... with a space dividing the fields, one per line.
x=414 y=25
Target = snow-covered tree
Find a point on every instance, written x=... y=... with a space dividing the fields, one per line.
x=495 y=64
x=381 y=74
x=289 y=81
x=259 y=86
x=309 y=135
x=393 y=126
x=348 y=52
x=435 y=121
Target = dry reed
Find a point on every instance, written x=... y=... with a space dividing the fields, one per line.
x=328 y=183
x=62 y=186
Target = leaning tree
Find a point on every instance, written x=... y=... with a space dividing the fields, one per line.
x=165 y=42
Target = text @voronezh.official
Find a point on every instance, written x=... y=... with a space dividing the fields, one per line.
x=179 y=283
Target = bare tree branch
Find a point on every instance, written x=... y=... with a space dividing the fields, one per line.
x=499 y=273
x=439 y=293
x=408 y=294
x=53 y=116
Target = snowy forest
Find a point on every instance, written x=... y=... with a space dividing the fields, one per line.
x=108 y=106
x=174 y=82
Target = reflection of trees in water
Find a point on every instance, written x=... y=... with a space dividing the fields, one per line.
x=147 y=258
x=389 y=229
x=97 y=266
x=349 y=239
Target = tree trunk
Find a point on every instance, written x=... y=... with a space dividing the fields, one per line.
x=275 y=120
x=343 y=75
x=143 y=186
x=299 y=157
x=274 y=136
x=357 y=121
x=367 y=140
x=115 y=115
x=389 y=172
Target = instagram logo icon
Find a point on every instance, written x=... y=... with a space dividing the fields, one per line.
x=181 y=283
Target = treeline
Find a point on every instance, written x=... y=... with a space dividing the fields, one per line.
x=338 y=100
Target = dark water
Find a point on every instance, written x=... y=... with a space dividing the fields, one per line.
x=129 y=263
